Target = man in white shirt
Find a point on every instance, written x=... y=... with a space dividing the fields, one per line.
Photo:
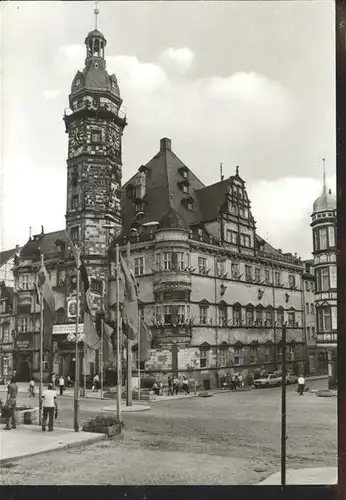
x=301 y=385
x=61 y=385
x=49 y=404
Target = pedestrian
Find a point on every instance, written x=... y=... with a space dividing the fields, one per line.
x=11 y=400
x=32 y=387
x=301 y=385
x=186 y=385
x=69 y=381
x=170 y=391
x=56 y=382
x=156 y=389
x=49 y=404
x=53 y=379
x=240 y=380
x=175 y=385
x=61 y=385
x=233 y=382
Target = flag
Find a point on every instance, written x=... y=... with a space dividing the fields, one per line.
x=145 y=339
x=130 y=307
x=91 y=339
x=83 y=274
x=44 y=287
x=107 y=342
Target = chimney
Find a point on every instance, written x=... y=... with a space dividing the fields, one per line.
x=165 y=144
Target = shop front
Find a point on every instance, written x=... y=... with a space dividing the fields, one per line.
x=24 y=358
x=64 y=351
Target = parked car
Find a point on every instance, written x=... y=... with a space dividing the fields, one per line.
x=271 y=380
x=291 y=378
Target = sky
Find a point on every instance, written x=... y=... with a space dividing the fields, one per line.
x=242 y=83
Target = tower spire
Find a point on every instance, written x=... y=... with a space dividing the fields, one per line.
x=324 y=175
x=96 y=12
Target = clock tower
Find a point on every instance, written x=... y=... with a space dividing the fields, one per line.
x=94 y=124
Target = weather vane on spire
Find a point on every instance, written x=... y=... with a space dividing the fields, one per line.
x=96 y=12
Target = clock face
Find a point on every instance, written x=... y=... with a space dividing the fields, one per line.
x=72 y=309
x=76 y=137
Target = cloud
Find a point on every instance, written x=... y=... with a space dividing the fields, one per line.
x=51 y=94
x=283 y=210
x=179 y=59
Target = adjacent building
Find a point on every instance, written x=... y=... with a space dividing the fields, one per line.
x=323 y=223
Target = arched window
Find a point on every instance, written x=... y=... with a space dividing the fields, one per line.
x=249 y=315
x=204 y=355
x=237 y=314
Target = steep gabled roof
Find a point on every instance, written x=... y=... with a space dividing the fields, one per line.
x=42 y=244
x=162 y=189
x=7 y=255
x=211 y=198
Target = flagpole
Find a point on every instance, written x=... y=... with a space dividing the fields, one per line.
x=101 y=358
x=76 y=387
x=139 y=357
x=41 y=352
x=129 y=345
x=119 y=371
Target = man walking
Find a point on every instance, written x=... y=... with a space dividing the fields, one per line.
x=49 y=404
x=301 y=385
x=61 y=385
x=32 y=387
x=170 y=392
x=185 y=385
x=12 y=391
x=234 y=383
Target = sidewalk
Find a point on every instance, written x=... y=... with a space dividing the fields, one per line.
x=312 y=476
x=28 y=440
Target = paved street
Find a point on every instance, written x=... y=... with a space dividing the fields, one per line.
x=230 y=438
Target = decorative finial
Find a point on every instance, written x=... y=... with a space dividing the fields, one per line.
x=30 y=233
x=221 y=173
x=96 y=12
x=324 y=174
x=237 y=170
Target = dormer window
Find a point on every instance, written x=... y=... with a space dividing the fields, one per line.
x=184 y=172
x=190 y=205
x=139 y=207
x=185 y=188
x=75 y=202
x=96 y=102
x=77 y=82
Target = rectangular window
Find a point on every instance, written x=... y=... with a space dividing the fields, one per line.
x=223 y=316
x=245 y=240
x=139 y=266
x=221 y=267
x=236 y=315
x=96 y=137
x=23 y=324
x=202 y=265
x=203 y=358
x=325 y=279
x=237 y=353
x=180 y=314
x=291 y=354
x=312 y=331
x=291 y=280
x=307 y=306
x=331 y=236
x=24 y=282
x=308 y=332
x=232 y=209
x=307 y=288
x=74 y=234
x=231 y=236
x=158 y=261
x=249 y=317
x=323 y=238
x=96 y=102
x=190 y=205
x=258 y=274
x=267 y=275
x=248 y=273
x=222 y=356
x=96 y=286
x=185 y=188
x=269 y=317
x=75 y=202
x=168 y=315
x=253 y=355
x=167 y=261
x=181 y=261
x=6 y=334
x=280 y=317
x=312 y=309
x=259 y=317
x=324 y=319
x=291 y=318
x=277 y=278
x=203 y=315
x=235 y=271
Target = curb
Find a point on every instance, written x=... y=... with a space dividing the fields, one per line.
x=90 y=440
